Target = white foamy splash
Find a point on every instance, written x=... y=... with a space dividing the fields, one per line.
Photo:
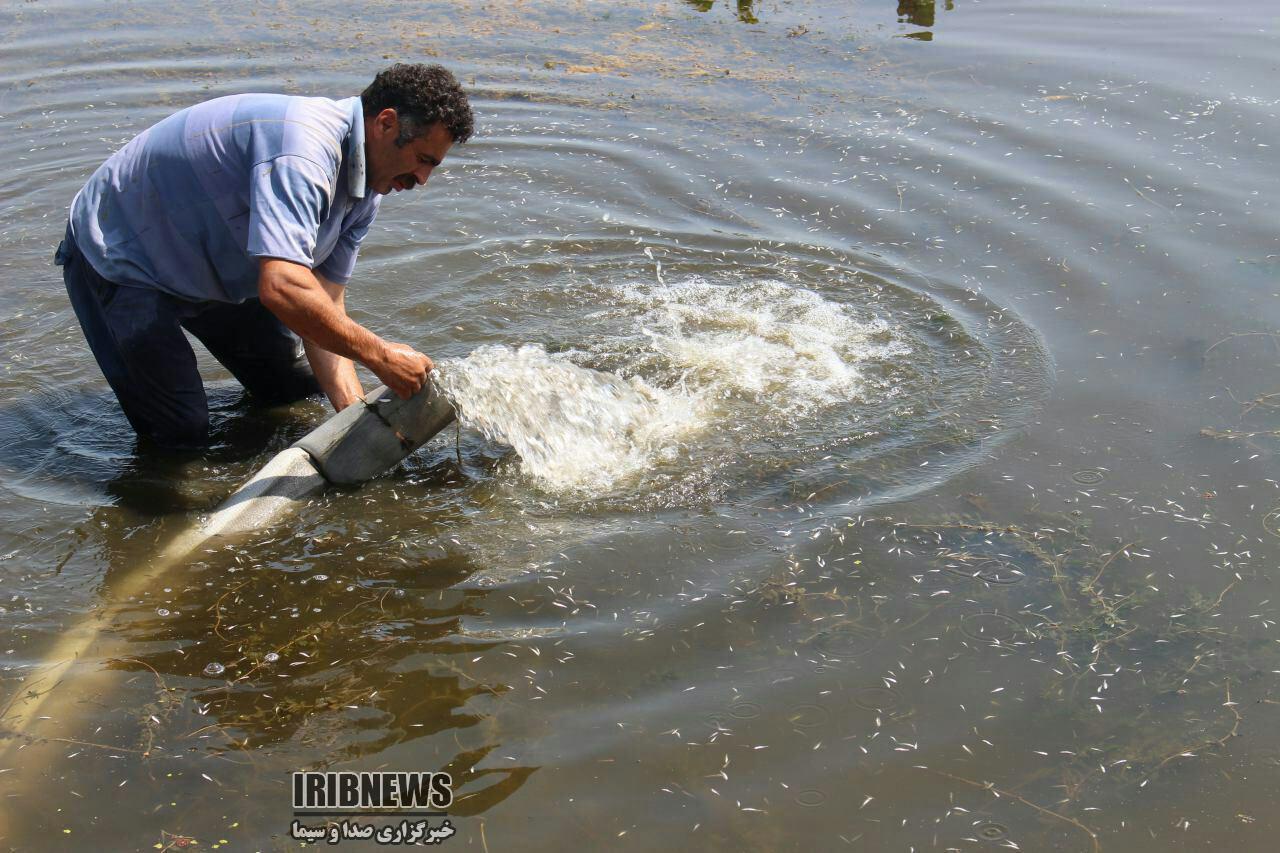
x=767 y=341
x=697 y=358
x=575 y=429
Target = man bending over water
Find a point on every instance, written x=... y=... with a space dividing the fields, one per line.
x=239 y=220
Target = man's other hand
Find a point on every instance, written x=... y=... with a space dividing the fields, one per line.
x=402 y=369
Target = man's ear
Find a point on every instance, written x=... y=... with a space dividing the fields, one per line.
x=388 y=121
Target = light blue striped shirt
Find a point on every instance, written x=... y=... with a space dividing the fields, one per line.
x=189 y=205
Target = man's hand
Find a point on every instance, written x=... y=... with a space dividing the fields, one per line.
x=293 y=293
x=402 y=369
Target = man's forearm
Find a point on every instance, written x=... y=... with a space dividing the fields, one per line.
x=314 y=309
x=294 y=294
x=336 y=375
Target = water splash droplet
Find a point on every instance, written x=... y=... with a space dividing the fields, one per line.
x=686 y=365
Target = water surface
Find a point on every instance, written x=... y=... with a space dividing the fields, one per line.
x=870 y=437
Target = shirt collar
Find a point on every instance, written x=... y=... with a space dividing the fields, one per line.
x=355 y=152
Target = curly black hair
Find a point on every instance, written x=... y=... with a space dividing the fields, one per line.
x=421 y=95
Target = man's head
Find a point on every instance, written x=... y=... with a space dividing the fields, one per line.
x=412 y=115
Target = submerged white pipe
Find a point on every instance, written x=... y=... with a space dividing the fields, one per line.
x=357 y=444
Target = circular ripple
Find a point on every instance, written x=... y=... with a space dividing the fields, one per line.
x=844 y=641
x=992 y=831
x=1089 y=476
x=715 y=536
x=807 y=716
x=934 y=579
x=919 y=365
x=1271 y=522
x=877 y=698
x=993 y=571
x=745 y=710
x=811 y=798
x=987 y=627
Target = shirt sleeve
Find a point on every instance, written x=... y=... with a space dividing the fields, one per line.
x=289 y=197
x=341 y=262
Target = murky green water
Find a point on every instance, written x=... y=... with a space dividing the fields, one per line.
x=953 y=329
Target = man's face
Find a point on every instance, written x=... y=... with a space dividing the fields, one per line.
x=395 y=167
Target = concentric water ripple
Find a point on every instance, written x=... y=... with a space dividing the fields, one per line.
x=820 y=378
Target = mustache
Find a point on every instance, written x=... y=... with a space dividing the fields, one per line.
x=408 y=180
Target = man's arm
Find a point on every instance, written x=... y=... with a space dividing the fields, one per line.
x=292 y=292
x=336 y=374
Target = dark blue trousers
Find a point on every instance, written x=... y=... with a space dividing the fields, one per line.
x=136 y=336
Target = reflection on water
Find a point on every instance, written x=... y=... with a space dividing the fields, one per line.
x=746 y=9
x=257 y=649
x=921 y=13
x=343 y=666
